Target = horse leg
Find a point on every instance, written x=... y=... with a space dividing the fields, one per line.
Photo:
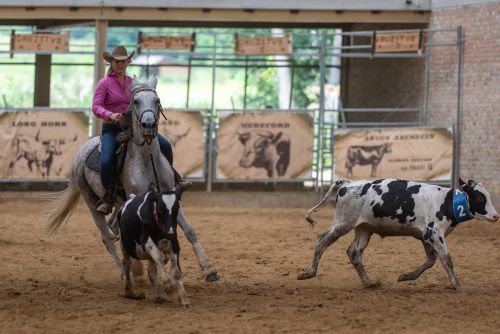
x=204 y=262
x=107 y=239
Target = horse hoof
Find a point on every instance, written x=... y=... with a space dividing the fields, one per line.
x=306 y=275
x=134 y=296
x=159 y=300
x=212 y=278
x=375 y=285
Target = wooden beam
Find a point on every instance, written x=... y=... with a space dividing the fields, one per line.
x=101 y=29
x=230 y=16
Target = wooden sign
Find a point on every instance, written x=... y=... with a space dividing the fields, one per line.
x=423 y=154
x=39 y=42
x=397 y=42
x=263 y=45
x=264 y=146
x=184 y=42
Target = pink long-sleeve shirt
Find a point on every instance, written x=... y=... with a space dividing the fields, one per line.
x=110 y=97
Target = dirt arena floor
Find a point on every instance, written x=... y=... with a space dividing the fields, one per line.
x=69 y=284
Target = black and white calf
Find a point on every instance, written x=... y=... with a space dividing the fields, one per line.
x=401 y=208
x=148 y=230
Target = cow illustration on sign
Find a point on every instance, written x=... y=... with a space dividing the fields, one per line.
x=37 y=151
x=366 y=155
x=264 y=149
x=176 y=137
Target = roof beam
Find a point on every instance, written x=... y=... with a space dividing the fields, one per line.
x=174 y=16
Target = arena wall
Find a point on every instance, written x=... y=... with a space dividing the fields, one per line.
x=480 y=122
x=382 y=82
x=376 y=83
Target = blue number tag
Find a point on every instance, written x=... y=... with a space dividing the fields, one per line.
x=461 y=206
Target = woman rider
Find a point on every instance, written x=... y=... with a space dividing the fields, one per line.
x=110 y=102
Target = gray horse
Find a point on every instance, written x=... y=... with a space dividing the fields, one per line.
x=143 y=160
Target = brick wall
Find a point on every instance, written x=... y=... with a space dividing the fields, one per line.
x=480 y=122
x=399 y=82
x=382 y=82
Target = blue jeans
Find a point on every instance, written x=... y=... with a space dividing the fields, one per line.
x=108 y=138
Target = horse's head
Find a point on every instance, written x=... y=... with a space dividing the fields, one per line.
x=144 y=110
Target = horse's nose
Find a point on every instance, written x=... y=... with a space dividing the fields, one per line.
x=148 y=120
x=148 y=124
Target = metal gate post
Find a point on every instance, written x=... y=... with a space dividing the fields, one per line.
x=458 y=123
x=322 y=76
x=212 y=115
x=423 y=112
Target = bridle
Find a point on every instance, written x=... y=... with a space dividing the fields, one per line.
x=138 y=121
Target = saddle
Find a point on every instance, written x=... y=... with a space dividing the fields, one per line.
x=94 y=158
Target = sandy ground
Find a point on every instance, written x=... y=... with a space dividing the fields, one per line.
x=69 y=284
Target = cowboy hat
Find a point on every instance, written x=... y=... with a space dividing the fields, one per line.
x=119 y=53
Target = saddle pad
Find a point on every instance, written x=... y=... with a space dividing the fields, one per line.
x=94 y=158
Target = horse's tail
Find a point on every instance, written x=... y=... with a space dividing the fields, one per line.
x=336 y=185
x=64 y=204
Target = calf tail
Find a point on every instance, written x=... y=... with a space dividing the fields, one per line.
x=333 y=187
x=63 y=206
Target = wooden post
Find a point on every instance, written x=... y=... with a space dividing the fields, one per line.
x=43 y=63
x=101 y=28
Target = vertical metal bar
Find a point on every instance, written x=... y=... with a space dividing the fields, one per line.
x=188 y=82
x=246 y=84
x=459 y=108
x=290 y=99
x=322 y=67
x=147 y=64
x=212 y=116
x=12 y=45
x=423 y=111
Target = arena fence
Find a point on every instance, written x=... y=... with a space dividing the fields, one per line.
x=214 y=145
x=233 y=146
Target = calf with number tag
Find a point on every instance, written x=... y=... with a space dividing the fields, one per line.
x=401 y=208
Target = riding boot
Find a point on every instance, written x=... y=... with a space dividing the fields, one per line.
x=105 y=205
x=178 y=180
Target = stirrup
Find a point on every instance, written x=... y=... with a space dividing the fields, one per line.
x=185 y=185
x=104 y=208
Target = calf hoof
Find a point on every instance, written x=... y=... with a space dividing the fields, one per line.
x=458 y=289
x=305 y=275
x=187 y=306
x=212 y=278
